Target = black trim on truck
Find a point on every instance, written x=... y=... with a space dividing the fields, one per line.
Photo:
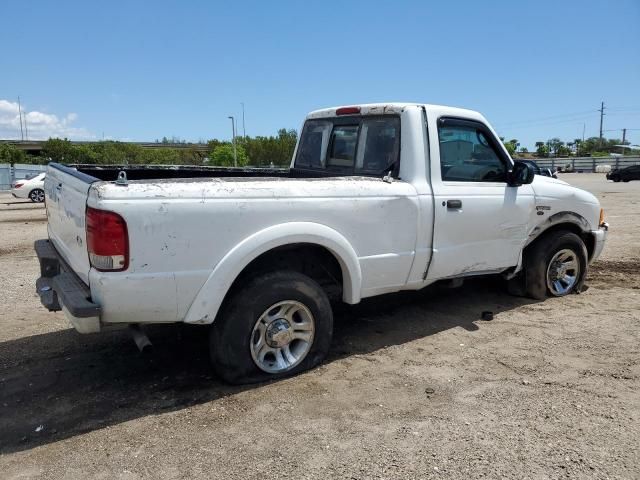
x=58 y=285
x=74 y=172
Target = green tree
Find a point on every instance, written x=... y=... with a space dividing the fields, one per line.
x=577 y=143
x=542 y=150
x=58 y=150
x=223 y=155
x=11 y=154
x=554 y=145
x=511 y=146
x=264 y=151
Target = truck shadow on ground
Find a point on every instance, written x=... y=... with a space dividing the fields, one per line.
x=61 y=384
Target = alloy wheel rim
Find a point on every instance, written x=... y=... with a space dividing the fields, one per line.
x=563 y=272
x=282 y=336
x=37 y=195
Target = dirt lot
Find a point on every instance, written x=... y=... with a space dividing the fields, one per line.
x=416 y=384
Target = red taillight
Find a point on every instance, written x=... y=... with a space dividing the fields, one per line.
x=107 y=240
x=348 y=111
x=18 y=185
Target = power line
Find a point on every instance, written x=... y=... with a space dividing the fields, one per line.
x=622 y=129
x=629 y=113
x=622 y=109
x=577 y=121
x=542 y=119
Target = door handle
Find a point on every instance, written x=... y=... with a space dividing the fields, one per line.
x=454 y=204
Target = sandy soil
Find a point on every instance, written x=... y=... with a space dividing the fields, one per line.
x=416 y=385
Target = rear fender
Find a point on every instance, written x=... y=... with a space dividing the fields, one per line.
x=205 y=307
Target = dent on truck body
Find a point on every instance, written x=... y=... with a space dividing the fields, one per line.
x=558 y=219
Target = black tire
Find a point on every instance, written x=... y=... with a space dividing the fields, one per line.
x=539 y=256
x=36 y=195
x=615 y=179
x=233 y=330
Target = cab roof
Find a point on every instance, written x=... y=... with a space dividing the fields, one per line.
x=393 y=108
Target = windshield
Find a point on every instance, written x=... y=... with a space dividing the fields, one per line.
x=350 y=145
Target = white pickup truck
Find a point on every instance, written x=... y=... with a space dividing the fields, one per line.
x=379 y=198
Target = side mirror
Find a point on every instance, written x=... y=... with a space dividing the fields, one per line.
x=521 y=174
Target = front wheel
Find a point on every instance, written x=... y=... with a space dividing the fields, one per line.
x=556 y=265
x=36 y=195
x=278 y=325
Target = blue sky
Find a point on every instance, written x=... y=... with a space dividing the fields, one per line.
x=140 y=71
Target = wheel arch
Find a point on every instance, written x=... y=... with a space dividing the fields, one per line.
x=207 y=302
x=569 y=221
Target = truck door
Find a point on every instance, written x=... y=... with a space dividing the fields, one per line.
x=480 y=222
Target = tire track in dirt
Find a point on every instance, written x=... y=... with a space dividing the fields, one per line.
x=17 y=250
x=615 y=273
x=24 y=220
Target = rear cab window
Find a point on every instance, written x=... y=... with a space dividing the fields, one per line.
x=354 y=145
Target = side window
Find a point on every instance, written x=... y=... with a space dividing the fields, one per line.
x=313 y=144
x=467 y=154
x=379 y=145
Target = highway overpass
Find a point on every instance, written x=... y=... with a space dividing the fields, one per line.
x=34 y=147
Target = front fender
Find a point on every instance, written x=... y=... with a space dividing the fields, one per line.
x=557 y=219
x=205 y=306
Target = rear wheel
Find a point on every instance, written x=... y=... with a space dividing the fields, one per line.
x=37 y=195
x=555 y=266
x=278 y=325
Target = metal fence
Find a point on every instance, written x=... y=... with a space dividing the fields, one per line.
x=586 y=164
x=10 y=173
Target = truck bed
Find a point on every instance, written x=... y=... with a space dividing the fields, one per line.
x=154 y=172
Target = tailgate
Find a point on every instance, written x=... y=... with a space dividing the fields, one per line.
x=66 y=192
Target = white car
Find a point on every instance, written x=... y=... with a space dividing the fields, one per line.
x=32 y=188
x=379 y=198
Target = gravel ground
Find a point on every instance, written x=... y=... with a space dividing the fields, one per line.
x=416 y=385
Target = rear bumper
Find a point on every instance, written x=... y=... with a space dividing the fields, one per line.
x=60 y=288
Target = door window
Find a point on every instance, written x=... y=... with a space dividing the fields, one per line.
x=468 y=153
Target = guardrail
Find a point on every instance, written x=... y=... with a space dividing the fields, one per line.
x=10 y=173
x=586 y=164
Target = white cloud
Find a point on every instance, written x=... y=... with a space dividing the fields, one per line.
x=40 y=125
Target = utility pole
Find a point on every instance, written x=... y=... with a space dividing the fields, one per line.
x=20 y=113
x=244 y=131
x=601 y=118
x=233 y=131
x=624 y=137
